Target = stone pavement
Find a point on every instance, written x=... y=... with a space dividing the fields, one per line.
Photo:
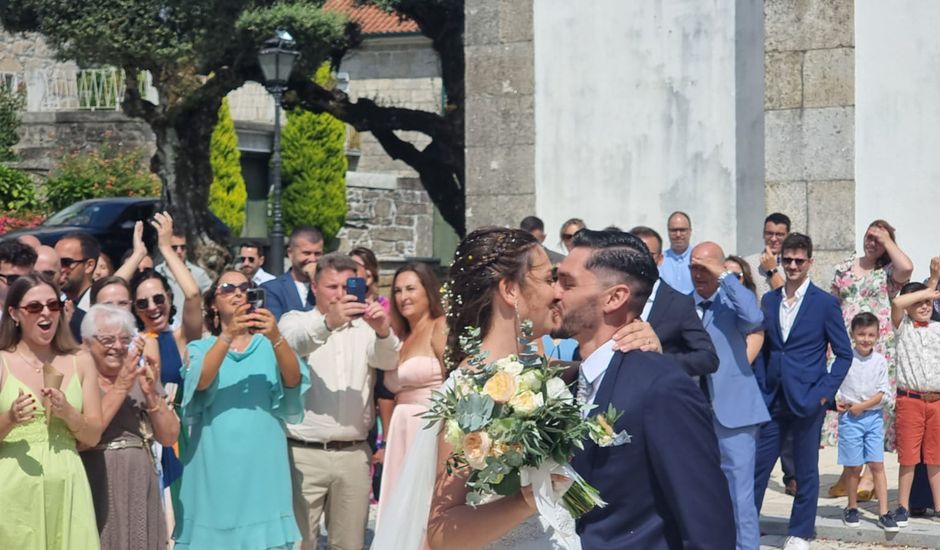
x=832 y=533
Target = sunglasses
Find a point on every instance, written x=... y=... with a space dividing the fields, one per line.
x=225 y=289
x=143 y=303
x=111 y=341
x=567 y=236
x=737 y=275
x=37 y=307
x=69 y=263
x=798 y=261
x=247 y=259
x=9 y=279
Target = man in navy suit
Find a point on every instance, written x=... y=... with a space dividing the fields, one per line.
x=730 y=313
x=668 y=322
x=291 y=291
x=801 y=323
x=664 y=486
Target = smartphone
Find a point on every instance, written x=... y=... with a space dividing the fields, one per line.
x=255 y=299
x=357 y=287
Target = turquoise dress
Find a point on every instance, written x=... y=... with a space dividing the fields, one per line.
x=236 y=490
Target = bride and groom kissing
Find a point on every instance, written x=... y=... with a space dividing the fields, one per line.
x=664 y=486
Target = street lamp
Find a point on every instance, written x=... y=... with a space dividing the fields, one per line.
x=276 y=60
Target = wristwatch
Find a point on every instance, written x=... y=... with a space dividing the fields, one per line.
x=770 y=272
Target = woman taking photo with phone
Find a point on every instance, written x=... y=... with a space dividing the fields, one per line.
x=49 y=403
x=242 y=384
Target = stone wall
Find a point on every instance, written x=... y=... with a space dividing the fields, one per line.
x=500 y=111
x=402 y=71
x=809 y=104
x=390 y=215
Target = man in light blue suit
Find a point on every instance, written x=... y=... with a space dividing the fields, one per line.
x=729 y=313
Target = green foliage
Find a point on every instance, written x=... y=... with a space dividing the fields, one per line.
x=227 y=193
x=11 y=104
x=16 y=191
x=102 y=173
x=314 y=169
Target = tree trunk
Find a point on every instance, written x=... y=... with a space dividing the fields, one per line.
x=182 y=163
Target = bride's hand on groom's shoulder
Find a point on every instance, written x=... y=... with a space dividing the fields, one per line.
x=637 y=335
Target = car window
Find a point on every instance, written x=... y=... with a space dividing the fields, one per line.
x=89 y=214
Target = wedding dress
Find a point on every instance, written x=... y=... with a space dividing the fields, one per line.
x=405 y=516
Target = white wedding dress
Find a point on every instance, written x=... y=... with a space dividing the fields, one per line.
x=405 y=516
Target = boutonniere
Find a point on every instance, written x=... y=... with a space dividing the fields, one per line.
x=602 y=429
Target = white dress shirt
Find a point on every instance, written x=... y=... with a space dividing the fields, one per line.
x=262 y=276
x=594 y=367
x=649 y=301
x=788 y=312
x=303 y=290
x=867 y=376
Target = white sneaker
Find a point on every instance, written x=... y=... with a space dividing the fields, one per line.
x=796 y=543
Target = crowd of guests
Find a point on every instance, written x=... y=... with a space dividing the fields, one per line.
x=133 y=396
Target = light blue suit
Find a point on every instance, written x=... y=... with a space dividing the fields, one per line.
x=736 y=399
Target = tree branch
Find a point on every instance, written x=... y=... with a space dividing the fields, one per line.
x=133 y=104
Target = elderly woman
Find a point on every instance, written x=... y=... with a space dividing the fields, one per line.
x=243 y=383
x=49 y=402
x=120 y=468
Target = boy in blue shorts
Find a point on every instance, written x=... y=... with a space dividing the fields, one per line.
x=861 y=425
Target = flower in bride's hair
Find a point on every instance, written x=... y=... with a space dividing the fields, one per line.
x=510 y=364
x=526 y=403
x=500 y=387
x=454 y=435
x=476 y=445
x=557 y=389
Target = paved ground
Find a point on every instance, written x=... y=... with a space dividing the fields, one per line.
x=831 y=533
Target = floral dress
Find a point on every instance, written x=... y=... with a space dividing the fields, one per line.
x=872 y=293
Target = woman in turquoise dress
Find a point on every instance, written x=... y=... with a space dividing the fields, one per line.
x=49 y=403
x=241 y=386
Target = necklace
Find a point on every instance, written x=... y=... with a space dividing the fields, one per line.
x=36 y=369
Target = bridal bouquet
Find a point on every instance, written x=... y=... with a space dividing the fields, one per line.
x=514 y=421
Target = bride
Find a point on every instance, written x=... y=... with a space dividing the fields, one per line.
x=498 y=277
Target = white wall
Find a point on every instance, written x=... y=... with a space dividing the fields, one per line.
x=897 y=124
x=637 y=108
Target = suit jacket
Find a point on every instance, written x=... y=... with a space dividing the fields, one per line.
x=665 y=488
x=798 y=365
x=680 y=331
x=281 y=296
x=735 y=396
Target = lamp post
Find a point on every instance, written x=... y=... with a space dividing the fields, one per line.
x=276 y=60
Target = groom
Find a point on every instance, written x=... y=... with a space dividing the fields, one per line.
x=664 y=486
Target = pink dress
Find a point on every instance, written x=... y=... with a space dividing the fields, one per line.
x=412 y=383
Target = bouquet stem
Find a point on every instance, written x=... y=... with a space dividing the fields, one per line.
x=581 y=498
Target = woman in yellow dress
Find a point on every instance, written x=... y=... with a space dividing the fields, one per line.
x=49 y=403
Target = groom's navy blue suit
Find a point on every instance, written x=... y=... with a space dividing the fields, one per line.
x=665 y=488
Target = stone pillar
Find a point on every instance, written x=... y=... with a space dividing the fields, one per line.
x=500 y=115
x=810 y=123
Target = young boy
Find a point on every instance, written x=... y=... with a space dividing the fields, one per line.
x=918 y=404
x=861 y=424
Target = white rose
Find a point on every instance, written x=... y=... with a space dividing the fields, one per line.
x=510 y=364
x=530 y=381
x=526 y=402
x=557 y=389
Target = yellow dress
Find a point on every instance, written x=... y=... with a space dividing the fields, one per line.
x=45 y=499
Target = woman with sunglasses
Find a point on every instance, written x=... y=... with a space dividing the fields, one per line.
x=120 y=468
x=242 y=384
x=49 y=404
x=152 y=300
x=568 y=229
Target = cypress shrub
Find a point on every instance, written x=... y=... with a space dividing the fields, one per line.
x=227 y=193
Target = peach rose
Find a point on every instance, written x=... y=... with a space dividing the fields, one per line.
x=476 y=445
x=500 y=387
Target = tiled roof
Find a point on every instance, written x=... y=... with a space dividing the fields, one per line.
x=371 y=18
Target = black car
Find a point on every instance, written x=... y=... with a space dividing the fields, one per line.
x=111 y=221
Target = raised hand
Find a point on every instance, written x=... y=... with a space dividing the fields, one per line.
x=768 y=260
x=344 y=310
x=263 y=322
x=58 y=404
x=935 y=268
x=138 y=246
x=163 y=223
x=715 y=266
x=376 y=318
x=637 y=335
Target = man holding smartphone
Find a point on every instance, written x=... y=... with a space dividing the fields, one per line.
x=344 y=340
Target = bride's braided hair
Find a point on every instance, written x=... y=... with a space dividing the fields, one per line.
x=483 y=259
